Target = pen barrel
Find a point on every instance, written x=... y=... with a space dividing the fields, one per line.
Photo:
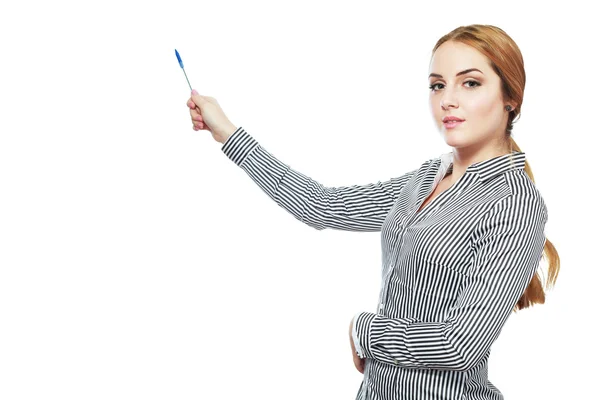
x=186 y=78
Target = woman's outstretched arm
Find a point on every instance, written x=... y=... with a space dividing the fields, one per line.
x=351 y=208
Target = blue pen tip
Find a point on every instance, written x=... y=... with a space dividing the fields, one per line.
x=179 y=58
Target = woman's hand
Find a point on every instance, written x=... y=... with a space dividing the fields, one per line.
x=207 y=114
x=359 y=363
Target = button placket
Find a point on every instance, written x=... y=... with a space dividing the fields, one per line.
x=412 y=219
x=386 y=280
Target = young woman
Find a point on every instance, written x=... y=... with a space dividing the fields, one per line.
x=462 y=235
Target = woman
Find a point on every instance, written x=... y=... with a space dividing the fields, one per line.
x=462 y=235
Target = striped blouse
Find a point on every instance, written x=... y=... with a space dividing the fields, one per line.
x=452 y=273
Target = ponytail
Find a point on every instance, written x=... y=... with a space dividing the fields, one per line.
x=534 y=294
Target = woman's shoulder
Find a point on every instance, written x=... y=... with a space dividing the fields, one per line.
x=524 y=190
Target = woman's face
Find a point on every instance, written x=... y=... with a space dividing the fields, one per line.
x=474 y=97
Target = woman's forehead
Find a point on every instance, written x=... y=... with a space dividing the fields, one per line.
x=452 y=58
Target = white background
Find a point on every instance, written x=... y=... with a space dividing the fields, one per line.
x=138 y=262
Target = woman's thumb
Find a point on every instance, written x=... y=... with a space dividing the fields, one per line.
x=197 y=98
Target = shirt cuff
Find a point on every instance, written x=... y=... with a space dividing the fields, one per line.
x=361 y=327
x=239 y=145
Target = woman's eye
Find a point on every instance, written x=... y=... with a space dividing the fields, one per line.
x=475 y=84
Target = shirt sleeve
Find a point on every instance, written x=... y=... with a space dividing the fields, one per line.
x=508 y=243
x=351 y=208
x=357 y=345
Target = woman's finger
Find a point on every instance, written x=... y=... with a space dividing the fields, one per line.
x=196 y=116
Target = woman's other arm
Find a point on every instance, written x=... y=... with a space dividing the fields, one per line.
x=508 y=244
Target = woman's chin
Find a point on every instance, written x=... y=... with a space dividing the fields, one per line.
x=453 y=139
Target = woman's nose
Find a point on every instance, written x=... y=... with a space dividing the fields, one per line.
x=448 y=99
x=446 y=104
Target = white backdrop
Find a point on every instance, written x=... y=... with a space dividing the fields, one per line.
x=138 y=262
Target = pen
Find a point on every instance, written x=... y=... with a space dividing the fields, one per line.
x=181 y=64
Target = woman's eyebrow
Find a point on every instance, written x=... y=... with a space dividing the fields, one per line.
x=466 y=71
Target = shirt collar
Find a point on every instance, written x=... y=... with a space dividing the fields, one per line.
x=488 y=169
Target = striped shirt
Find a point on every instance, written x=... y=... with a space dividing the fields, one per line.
x=452 y=273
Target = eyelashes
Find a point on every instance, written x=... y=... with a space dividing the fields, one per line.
x=431 y=87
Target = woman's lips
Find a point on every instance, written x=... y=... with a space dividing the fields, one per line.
x=452 y=124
